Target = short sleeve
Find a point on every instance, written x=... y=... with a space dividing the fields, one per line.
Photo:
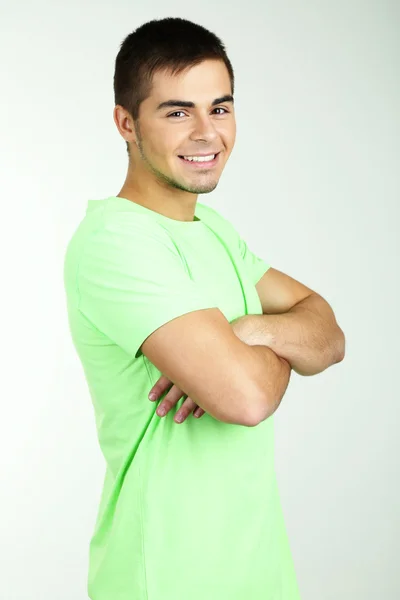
x=131 y=280
x=255 y=265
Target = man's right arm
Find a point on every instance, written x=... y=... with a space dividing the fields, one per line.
x=233 y=382
x=275 y=374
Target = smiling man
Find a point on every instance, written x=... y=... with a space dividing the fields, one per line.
x=163 y=294
x=180 y=147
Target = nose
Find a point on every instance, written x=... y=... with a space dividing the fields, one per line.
x=203 y=130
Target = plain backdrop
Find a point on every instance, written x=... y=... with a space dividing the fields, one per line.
x=312 y=185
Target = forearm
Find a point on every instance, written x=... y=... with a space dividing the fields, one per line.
x=273 y=373
x=307 y=336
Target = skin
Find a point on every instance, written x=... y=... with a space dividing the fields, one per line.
x=158 y=179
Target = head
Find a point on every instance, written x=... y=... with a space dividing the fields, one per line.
x=175 y=59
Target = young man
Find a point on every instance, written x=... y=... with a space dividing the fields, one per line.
x=163 y=294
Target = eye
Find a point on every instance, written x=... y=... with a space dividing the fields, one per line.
x=220 y=108
x=181 y=111
x=175 y=113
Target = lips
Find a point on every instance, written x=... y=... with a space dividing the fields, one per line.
x=199 y=164
x=199 y=155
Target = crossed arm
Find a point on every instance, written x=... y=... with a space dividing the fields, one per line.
x=298 y=327
x=297 y=324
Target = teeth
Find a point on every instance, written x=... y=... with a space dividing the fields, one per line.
x=200 y=158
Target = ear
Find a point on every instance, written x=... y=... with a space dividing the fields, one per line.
x=127 y=128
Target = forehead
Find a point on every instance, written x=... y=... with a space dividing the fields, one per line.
x=211 y=77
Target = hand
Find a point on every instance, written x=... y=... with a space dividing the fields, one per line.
x=171 y=399
x=241 y=330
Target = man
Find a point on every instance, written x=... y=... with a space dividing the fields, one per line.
x=163 y=294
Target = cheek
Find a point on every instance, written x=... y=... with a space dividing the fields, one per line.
x=165 y=147
x=158 y=153
x=228 y=134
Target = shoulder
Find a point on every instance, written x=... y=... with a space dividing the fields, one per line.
x=122 y=231
x=211 y=215
x=217 y=221
x=124 y=245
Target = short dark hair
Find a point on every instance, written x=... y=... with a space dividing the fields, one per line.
x=171 y=44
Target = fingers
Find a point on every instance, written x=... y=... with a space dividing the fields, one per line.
x=170 y=400
x=161 y=386
x=185 y=410
x=188 y=406
x=199 y=412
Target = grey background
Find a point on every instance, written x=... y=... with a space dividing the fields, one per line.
x=312 y=185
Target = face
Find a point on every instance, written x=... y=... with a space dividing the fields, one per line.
x=165 y=134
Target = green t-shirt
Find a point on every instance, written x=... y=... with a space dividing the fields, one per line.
x=189 y=511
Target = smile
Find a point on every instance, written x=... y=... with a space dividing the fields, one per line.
x=200 y=163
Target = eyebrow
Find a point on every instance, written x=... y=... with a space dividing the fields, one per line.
x=186 y=104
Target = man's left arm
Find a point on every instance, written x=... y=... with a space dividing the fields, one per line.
x=297 y=324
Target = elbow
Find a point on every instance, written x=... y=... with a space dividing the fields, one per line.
x=250 y=419
x=339 y=346
x=254 y=419
x=268 y=401
x=246 y=414
x=253 y=405
x=259 y=412
x=247 y=418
